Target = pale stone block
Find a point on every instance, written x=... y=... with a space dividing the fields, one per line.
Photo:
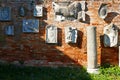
x=38 y=11
x=70 y=35
x=31 y=25
x=51 y=34
x=5 y=13
x=103 y=11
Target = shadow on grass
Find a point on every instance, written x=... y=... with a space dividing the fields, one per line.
x=12 y=72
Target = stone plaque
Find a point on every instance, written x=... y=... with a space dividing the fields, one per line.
x=66 y=10
x=31 y=25
x=51 y=34
x=9 y=30
x=38 y=11
x=110 y=36
x=70 y=35
x=22 y=11
x=102 y=12
x=5 y=13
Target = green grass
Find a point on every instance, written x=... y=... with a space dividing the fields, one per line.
x=11 y=72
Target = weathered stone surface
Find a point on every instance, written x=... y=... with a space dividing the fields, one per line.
x=70 y=34
x=31 y=25
x=51 y=34
x=38 y=11
x=5 y=13
x=66 y=10
x=9 y=30
x=103 y=11
x=91 y=47
x=35 y=48
x=110 y=35
x=22 y=11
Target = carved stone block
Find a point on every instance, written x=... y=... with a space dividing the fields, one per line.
x=110 y=36
x=38 y=11
x=9 y=30
x=31 y=25
x=66 y=10
x=70 y=35
x=102 y=12
x=81 y=16
x=5 y=13
x=22 y=11
x=51 y=34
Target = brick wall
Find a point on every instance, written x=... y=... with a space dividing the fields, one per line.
x=31 y=48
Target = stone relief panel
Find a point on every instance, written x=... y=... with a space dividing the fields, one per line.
x=38 y=11
x=5 y=13
x=70 y=35
x=103 y=11
x=110 y=35
x=51 y=34
x=22 y=11
x=30 y=25
x=69 y=10
x=9 y=30
x=81 y=14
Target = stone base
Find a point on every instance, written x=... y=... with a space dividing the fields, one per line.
x=93 y=71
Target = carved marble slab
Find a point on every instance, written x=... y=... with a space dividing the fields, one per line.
x=110 y=36
x=5 y=13
x=70 y=35
x=38 y=11
x=51 y=34
x=81 y=16
x=102 y=12
x=30 y=25
x=65 y=10
x=9 y=30
x=22 y=11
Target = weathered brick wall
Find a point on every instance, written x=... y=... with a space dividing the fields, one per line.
x=32 y=49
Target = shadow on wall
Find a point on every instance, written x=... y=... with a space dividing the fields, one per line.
x=111 y=16
x=109 y=55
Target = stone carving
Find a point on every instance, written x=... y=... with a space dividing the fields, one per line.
x=5 y=13
x=51 y=34
x=69 y=10
x=102 y=12
x=9 y=30
x=22 y=11
x=110 y=36
x=70 y=35
x=81 y=14
x=38 y=11
x=31 y=25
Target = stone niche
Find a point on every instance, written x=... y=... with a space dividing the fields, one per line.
x=70 y=35
x=69 y=10
x=9 y=30
x=30 y=25
x=110 y=35
x=51 y=34
x=38 y=11
x=5 y=13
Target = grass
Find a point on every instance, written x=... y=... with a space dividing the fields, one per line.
x=11 y=72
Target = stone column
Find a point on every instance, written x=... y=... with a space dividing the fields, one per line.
x=91 y=50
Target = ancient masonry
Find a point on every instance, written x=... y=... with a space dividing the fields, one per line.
x=60 y=32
